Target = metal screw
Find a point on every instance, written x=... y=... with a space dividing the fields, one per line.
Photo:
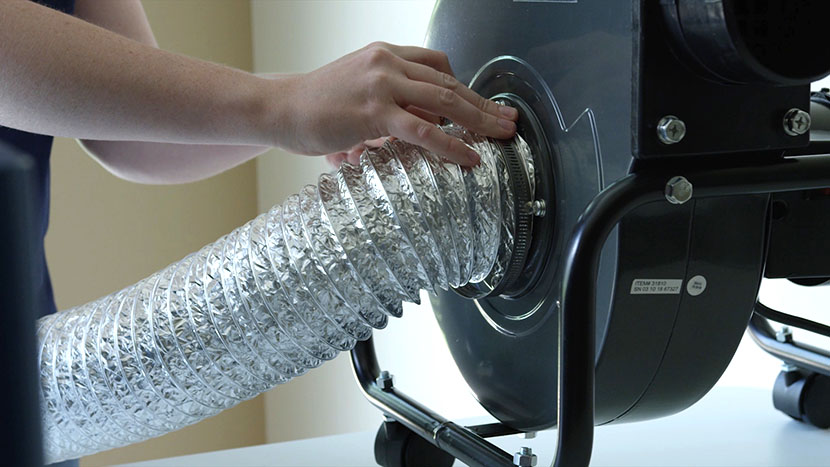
x=784 y=335
x=671 y=130
x=797 y=122
x=525 y=458
x=385 y=380
x=678 y=190
x=528 y=434
x=537 y=208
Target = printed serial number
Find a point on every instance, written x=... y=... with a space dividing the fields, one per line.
x=656 y=286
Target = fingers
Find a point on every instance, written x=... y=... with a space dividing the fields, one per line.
x=431 y=58
x=374 y=143
x=448 y=97
x=443 y=101
x=433 y=67
x=422 y=85
x=417 y=131
x=423 y=114
x=352 y=156
x=428 y=75
x=336 y=159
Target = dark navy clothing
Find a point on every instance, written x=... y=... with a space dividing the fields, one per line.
x=39 y=147
x=66 y=6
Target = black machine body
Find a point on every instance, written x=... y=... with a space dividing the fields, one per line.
x=595 y=82
x=731 y=70
x=800 y=220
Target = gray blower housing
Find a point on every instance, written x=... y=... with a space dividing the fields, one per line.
x=605 y=88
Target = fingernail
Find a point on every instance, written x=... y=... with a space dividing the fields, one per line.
x=507 y=124
x=473 y=157
x=509 y=112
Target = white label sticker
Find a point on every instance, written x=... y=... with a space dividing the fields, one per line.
x=656 y=286
x=696 y=286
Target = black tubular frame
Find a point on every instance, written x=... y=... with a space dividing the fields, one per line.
x=576 y=344
x=795 y=321
x=789 y=351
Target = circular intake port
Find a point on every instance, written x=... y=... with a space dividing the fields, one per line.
x=519 y=160
x=517 y=167
x=519 y=300
x=751 y=41
x=522 y=301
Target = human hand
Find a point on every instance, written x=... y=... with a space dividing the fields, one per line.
x=352 y=156
x=386 y=90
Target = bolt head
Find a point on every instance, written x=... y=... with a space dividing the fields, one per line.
x=671 y=130
x=386 y=381
x=797 y=122
x=679 y=190
x=525 y=458
x=784 y=335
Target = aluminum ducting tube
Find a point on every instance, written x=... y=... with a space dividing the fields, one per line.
x=272 y=299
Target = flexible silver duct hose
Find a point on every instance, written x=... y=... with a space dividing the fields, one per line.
x=272 y=299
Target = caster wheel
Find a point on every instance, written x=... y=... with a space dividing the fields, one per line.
x=804 y=396
x=397 y=446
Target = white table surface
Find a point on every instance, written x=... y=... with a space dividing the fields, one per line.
x=729 y=427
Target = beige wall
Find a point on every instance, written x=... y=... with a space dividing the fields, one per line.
x=107 y=233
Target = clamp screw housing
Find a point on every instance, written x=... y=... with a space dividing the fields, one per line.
x=538 y=208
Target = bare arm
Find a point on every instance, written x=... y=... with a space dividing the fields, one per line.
x=63 y=76
x=150 y=162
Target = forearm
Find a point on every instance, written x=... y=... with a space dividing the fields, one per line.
x=90 y=83
x=168 y=163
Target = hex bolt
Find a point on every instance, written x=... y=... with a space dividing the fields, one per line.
x=784 y=335
x=671 y=130
x=525 y=458
x=797 y=122
x=678 y=190
x=538 y=208
x=385 y=380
